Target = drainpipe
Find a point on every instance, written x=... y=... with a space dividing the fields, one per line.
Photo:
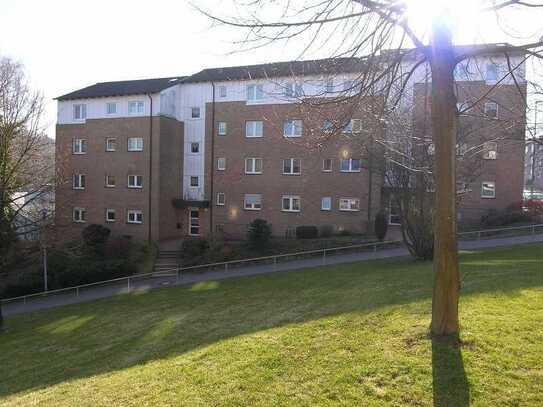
x=212 y=164
x=150 y=166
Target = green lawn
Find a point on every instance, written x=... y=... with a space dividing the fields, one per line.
x=352 y=335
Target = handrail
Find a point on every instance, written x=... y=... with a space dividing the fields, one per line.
x=179 y=270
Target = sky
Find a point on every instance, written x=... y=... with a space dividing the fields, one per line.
x=66 y=45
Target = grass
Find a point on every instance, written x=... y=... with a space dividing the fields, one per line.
x=350 y=335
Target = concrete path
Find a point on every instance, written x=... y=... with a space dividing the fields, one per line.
x=142 y=285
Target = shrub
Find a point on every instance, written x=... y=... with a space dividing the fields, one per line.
x=381 y=226
x=118 y=247
x=307 y=232
x=194 y=247
x=259 y=233
x=326 y=230
x=95 y=235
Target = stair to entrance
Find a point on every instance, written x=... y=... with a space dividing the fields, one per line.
x=166 y=262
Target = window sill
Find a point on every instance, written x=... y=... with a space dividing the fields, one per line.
x=488 y=197
x=74 y=153
x=291 y=175
x=349 y=210
x=252 y=209
x=354 y=171
x=78 y=189
x=290 y=211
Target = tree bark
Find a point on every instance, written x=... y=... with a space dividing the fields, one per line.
x=444 y=122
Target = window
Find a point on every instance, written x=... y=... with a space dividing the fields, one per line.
x=221 y=199
x=221 y=128
x=491 y=73
x=254 y=129
x=327 y=165
x=134 y=216
x=110 y=215
x=294 y=89
x=326 y=203
x=353 y=126
x=488 y=190
x=221 y=163
x=194 y=222
x=328 y=126
x=490 y=150
x=135 y=181
x=135 y=144
x=80 y=112
x=79 y=146
x=393 y=213
x=135 y=107
x=111 y=108
x=293 y=128
x=194 y=181
x=110 y=181
x=253 y=166
x=290 y=204
x=79 y=215
x=349 y=204
x=291 y=166
x=255 y=92
x=194 y=148
x=252 y=202
x=79 y=181
x=350 y=165
x=348 y=85
x=491 y=110
x=111 y=144
x=329 y=86
x=195 y=112
x=461 y=149
x=222 y=91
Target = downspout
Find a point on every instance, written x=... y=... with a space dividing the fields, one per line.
x=212 y=164
x=150 y=165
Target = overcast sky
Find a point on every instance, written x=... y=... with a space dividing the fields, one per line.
x=67 y=44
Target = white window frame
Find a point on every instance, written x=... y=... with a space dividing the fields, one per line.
x=108 y=185
x=222 y=128
x=254 y=128
x=324 y=160
x=350 y=165
x=221 y=199
x=353 y=126
x=252 y=168
x=253 y=206
x=191 y=178
x=194 y=110
x=490 y=150
x=115 y=110
x=291 y=127
x=291 y=162
x=135 y=184
x=137 y=147
x=79 y=112
x=135 y=213
x=327 y=199
x=493 y=189
x=79 y=181
x=221 y=164
x=291 y=199
x=136 y=107
x=222 y=91
x=81 y=215
x=487 y=104
x=349 y=201
x=255 y=92
x=491 y=67
x=192 y=147
x=196 y=226
x=109 y=211
x=108 y=148
x=79 y=146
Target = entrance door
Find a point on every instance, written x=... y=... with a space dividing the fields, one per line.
x=194 y=222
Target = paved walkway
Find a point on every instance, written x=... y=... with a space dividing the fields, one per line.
x=142 y=285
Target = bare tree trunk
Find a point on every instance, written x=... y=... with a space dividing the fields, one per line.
x=444 y=122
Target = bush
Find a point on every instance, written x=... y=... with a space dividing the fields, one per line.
x=511 y=215
x=95 y=236
x=381 y=226
x=326 y=231
x=259 y=233
x=307 y=232
x=194 y=247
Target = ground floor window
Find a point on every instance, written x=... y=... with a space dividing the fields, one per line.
x=393 y=213
x=79 y=215
x=194 y=222
x=110 y=215
x=291 y=203
x=349 y=204
x=134 y=216
x=488 y=190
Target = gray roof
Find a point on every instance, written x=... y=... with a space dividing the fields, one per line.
x=123 y=88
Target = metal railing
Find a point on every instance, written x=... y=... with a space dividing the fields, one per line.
x=174 y=270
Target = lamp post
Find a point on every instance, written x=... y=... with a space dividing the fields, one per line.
x=44 y=249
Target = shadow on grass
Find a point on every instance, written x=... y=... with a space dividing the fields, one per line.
x=90 y=339
x=450 y=384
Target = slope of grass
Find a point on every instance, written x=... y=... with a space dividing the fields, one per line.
x=354 y=335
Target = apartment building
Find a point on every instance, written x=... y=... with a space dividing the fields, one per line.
x=208 y=153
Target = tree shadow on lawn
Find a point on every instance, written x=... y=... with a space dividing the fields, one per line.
x=77 y=341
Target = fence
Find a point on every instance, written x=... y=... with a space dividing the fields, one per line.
x=175 y=272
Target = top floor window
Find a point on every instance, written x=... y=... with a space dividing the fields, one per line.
x=293 y=128
x=254 y=129
x=80 y=111
x=195 y=112
x=222 y=91
x=348 y=85
x=329 y=86
x=79 y=146
x=491 y=73
x=135 y=107
x=111 y=108
x=294 y=89
x=491 y=110
x=255 y=92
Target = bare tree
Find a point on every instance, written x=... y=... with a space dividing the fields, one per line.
x=378 y=31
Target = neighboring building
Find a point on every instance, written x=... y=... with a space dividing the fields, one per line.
x=34 y=210
x=184 y=156
x=533 y=170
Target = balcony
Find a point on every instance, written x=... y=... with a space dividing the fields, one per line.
x=192 y=198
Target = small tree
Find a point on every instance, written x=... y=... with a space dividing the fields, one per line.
x=259 y=233
x=381 y=226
